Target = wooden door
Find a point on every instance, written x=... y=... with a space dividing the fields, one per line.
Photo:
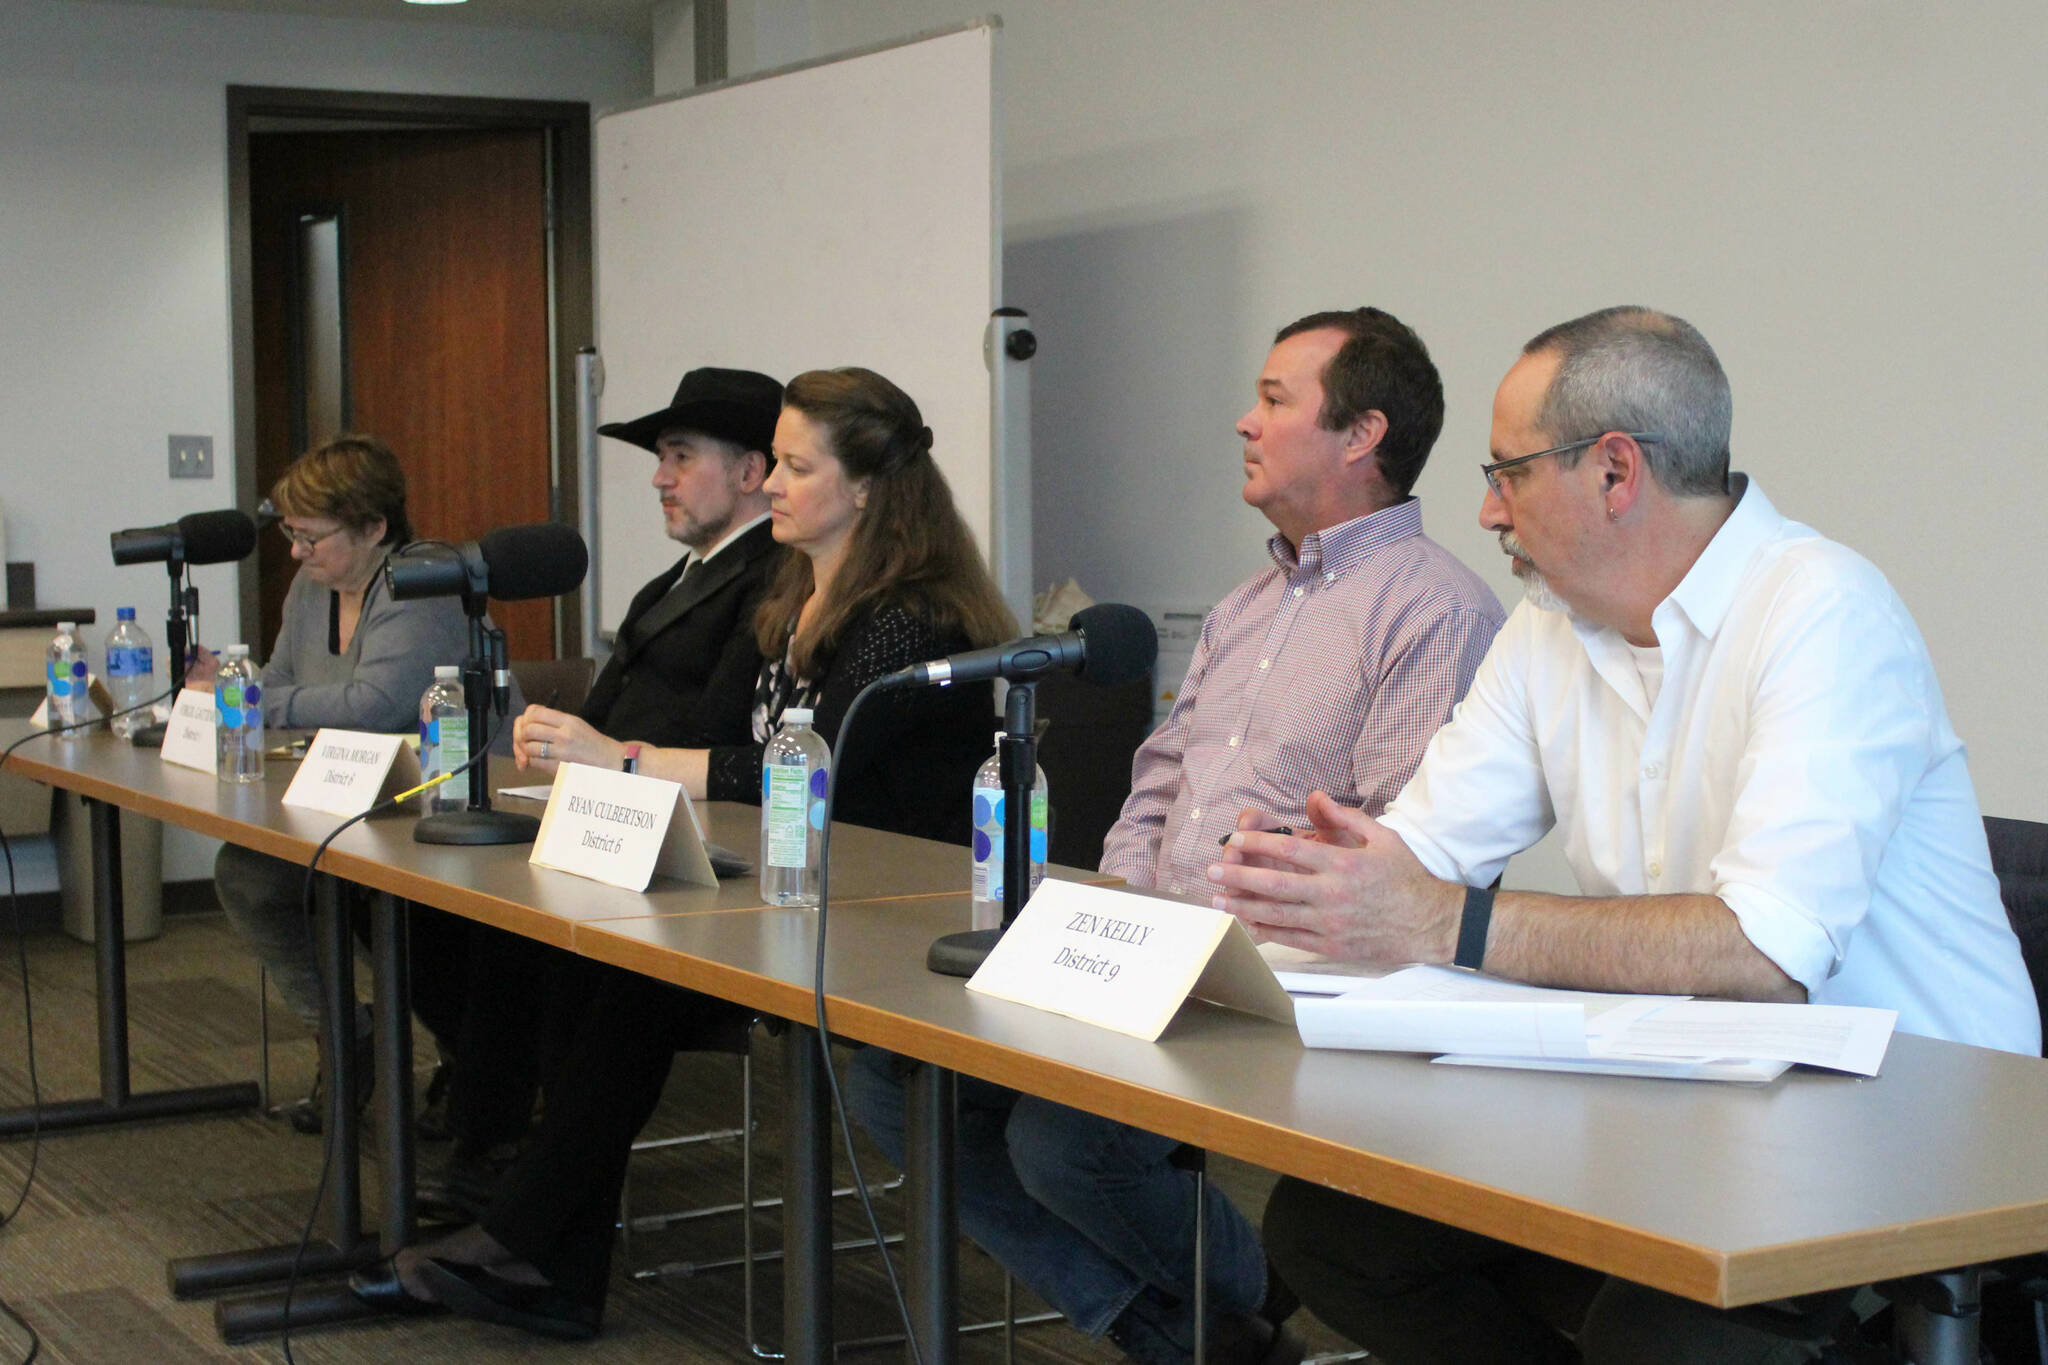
x=445 y=288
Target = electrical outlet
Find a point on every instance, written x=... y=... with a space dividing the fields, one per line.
x=191 y=457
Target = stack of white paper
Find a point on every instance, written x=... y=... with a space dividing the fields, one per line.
x=1479 y=1020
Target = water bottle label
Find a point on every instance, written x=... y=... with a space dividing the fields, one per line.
x=240 y=705
x=430 y=733
x=130 y=663
x=59 y=682
x=454 y=742
x=786 y=791
x=988 y=840
x=988 y=843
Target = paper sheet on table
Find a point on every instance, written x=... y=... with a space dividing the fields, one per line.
x=528 y=793
x=1840 y=1037
x=1747 y=1073
x=1444 y=1009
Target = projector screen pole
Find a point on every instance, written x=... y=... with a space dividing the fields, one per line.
x=1007 y=348
x=589 y=388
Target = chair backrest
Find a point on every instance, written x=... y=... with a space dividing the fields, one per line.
x=1091 y=733
x=2019 y=855
x=558 y=683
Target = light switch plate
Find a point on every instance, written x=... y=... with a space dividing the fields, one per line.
x=191 y=457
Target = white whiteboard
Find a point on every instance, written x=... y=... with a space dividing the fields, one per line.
x=841 y=212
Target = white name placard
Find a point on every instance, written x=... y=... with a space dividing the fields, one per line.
x=1125 y=961
x=345 y=772
x=188 y=735
x=620 y=829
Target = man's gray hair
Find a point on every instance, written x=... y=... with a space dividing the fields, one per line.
x=1635 y=369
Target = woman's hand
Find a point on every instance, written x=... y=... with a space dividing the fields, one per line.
x=543 y=738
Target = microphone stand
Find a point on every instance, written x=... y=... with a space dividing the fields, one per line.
x=961 y=954
x=478 y=823
x=184 y=605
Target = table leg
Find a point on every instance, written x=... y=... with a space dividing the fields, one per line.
x=345 y=1246
x=1199 y=1162
x=392 y=1012
x=931 y=1239
x=116 y=1103
x=806 y=1202
x=1941 y=1325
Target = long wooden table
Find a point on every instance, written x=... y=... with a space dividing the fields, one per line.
x=1729 y=1195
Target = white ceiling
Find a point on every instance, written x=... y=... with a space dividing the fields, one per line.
x=614 y=16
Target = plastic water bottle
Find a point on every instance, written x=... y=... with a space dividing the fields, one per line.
x=444 y=737
x=65 y=680
x=796 y=769
x=131 y=673
x=987 y=853
x=238 y=718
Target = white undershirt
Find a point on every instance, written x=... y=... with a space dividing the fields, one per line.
x=1650 y=668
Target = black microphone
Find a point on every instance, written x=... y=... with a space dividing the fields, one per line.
x=546 y=559
x=512 y=563
x=1106 y=644
x=195 y=538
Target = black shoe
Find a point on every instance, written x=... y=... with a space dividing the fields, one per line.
x=462 y=1189
x=538 y=1308
x=309 y=1115
x=1254 y=1341
x=379 y=1286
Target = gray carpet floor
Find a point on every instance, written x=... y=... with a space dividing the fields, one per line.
x=84 y=1261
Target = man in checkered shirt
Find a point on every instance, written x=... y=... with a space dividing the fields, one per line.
x=1327 y=672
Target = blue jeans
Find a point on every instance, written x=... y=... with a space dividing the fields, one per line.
x=1086 y=1211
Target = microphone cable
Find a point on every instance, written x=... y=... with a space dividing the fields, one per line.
x=28 y=1013
x=860 y=1184
x=291 y=1284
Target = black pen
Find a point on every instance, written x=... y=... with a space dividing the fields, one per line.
x=1224 y=842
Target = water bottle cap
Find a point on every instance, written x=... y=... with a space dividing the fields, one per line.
x=124 y=613
x=447 y=672
x=236 y=652
x=797 y=715
x=67 y=627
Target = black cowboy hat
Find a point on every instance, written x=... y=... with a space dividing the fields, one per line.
x=733 y=405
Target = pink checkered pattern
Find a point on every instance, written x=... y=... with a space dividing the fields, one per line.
x=1328 y=672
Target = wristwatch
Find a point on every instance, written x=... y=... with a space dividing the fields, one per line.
x=632 y=760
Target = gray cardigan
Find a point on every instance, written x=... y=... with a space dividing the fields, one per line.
x=374 y=684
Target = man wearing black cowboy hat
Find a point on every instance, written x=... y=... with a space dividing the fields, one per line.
x=681 y=673
x=683 y=665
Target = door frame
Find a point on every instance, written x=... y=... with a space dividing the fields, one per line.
x=566 y=125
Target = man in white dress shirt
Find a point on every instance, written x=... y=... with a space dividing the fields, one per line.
x=1736 y=728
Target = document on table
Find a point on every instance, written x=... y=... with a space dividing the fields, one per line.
x=1481 y=1020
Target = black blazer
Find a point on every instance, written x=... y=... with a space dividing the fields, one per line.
x=683 y=666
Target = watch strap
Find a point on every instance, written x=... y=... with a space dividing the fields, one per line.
x=1472 y=927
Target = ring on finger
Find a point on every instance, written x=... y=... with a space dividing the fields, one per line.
x=543 y=748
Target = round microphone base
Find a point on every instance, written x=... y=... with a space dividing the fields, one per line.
x=476 y=827
x=961 y=954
